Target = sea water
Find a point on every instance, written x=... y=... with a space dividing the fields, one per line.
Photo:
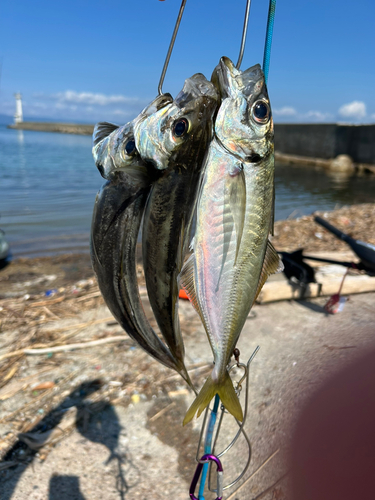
x=48 y=184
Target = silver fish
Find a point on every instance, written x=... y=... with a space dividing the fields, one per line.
x=232 y=254
x=117 y=216
x=175 y=140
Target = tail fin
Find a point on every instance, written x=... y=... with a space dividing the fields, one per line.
x=226 y=392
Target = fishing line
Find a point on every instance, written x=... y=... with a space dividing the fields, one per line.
x=268 y=42
x=169 y=53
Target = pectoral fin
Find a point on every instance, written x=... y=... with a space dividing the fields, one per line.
x=237 y=201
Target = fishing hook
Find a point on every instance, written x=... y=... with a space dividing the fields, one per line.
x=169 y=53
x=244 y=34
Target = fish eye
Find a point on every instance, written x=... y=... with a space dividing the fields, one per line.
x=261 y=112
x=180 y=127
x=130 y=147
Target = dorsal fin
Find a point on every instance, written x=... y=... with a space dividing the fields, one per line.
x=272 y=264
x=102 y=130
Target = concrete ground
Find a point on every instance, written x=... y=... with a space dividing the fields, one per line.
x=142 y=451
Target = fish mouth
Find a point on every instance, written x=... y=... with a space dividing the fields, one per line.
x=195 y=87
x=228 y=79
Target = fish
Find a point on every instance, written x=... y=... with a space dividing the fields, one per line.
x=175 y=140
x=232 y=255
x=116 y=221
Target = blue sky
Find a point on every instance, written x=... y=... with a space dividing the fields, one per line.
x=89 y=61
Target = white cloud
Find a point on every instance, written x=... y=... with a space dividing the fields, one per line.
x=318 y=115
x=291 y=115
x=355 y=110
x=285 y=111
x=71 y=105
x=71 y=96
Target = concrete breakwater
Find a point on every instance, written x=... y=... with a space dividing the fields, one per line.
x=327 y=141
x=342 y=164
x=63 y=128
x=304 y=144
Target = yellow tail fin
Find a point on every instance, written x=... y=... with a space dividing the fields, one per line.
x=226 y=393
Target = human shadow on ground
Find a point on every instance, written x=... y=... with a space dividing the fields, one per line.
x=313 y=307
x=64 y=488
x=96 y=422
x=4 y=263
x=104 y=428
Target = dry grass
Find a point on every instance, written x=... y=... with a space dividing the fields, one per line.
x=358 y=221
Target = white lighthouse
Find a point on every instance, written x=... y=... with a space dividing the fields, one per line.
x=18 y=116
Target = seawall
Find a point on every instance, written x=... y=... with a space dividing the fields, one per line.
x=319 y=141
x=326 y=141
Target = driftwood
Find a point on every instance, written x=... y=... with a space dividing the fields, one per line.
x=72 y=347
x=328 y=283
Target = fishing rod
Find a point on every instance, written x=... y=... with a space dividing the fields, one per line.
x=296 y=267
x=364 y=251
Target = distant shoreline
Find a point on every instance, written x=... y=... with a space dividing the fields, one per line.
x=320 y=141
x=62 y=128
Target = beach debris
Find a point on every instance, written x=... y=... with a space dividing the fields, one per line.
x=42 y=386
x=135 y=398
x=335 y=304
